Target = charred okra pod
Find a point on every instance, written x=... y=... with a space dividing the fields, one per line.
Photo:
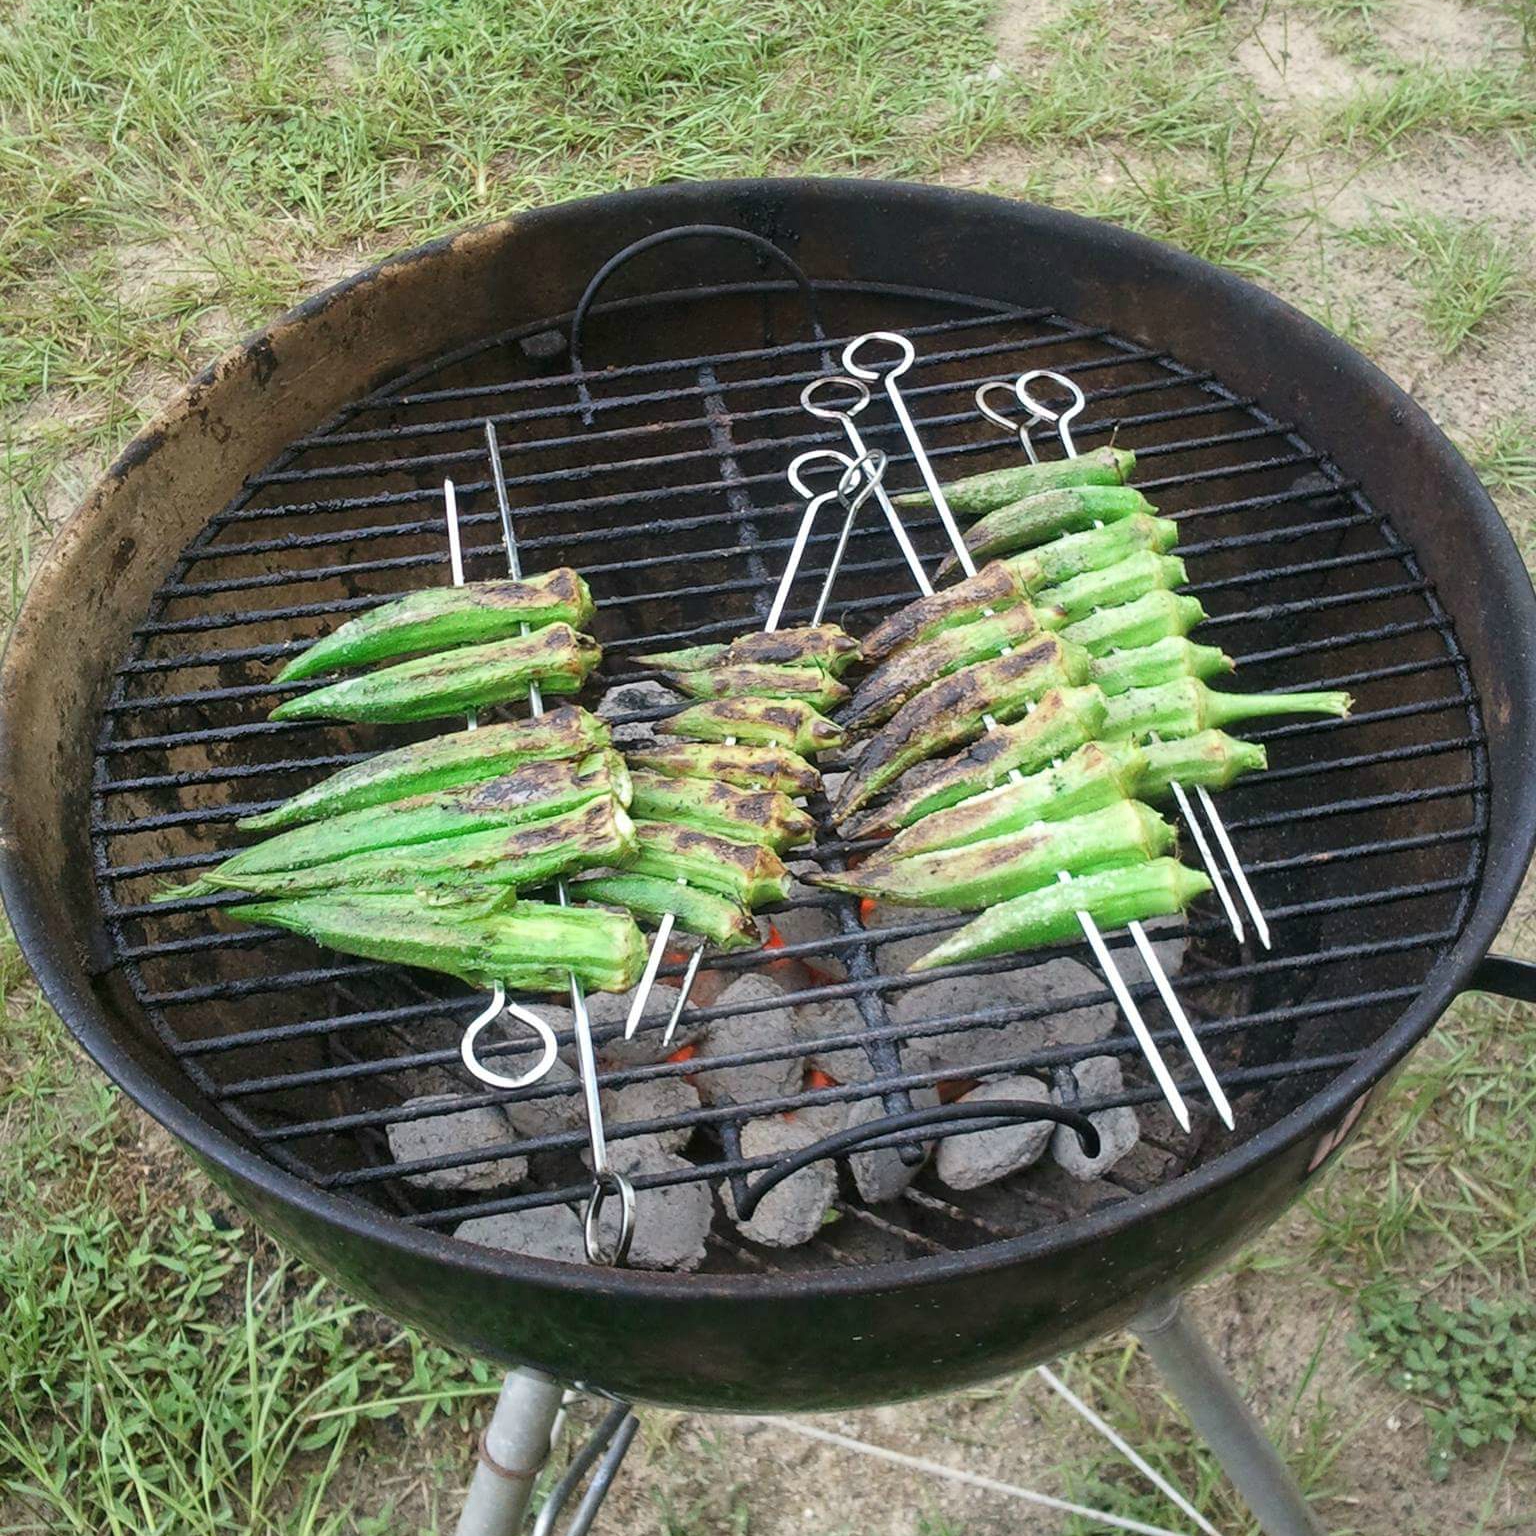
x=1132 y=626
x=527 y=946
x=993 y=588
x=444 y=762
x=1095 y=549
x=1023 y=524
x=714 y=917
x=440 y=618
x=1090 y=779
x=953 y=711
x=811 y=645
x=760 y=680
x=1165 y=661
x=1063 y=720
x=1112 y=897
x=912 y=669
x=534 y=792
x=742 y=767
x=457 y=682
x=1001 y=868
x=745 y=816
x=751 y=875
x=981 y=493
x=790 y=723
x=1187 y=706
x=596 y=834
x=1115 y=585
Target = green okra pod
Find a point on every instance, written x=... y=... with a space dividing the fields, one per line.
x=748 y=873
x=1163 y=661
x=740 y=766
x=1185 y=707
x=527 y=946
x=953 y=711
x=594 y=835
x=1112 y=897
x=1095 y=549
x=790 y=723
x=443 y=762
x=1117 y=584
x=992 y=589
x=1134 y=626
x=810 y=645
x=1062 y=721
x=976 y=494
x=1090 y=779
x=760 y=680
x=1001 y=868
x=914 y=667
x=440 y=618
x=533 y=792
x=1208 y=758
x=1023 y=524
x=557 y=658
x=747 y=816
x=725 y=923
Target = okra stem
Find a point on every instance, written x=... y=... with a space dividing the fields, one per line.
x=1185 y=707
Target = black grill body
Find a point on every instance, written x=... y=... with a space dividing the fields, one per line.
x=1334 y=535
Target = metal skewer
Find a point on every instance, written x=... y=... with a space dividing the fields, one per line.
x=872 y=466
x=606 y=1181
x=1122 y=995
x=1061 y=420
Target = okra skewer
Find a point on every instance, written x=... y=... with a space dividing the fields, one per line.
x=816 y=686
x=789 y=723
x=440 y=618
x=826 y=646
x=745 y=816
x=741 y=767
x=1115 y=585
x=1139 y=626
x=1035 y=519
x=441 y=763
x=979 y=494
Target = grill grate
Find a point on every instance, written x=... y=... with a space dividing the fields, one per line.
x=1364 y=839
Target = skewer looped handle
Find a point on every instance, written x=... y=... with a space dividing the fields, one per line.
x=493 y=1010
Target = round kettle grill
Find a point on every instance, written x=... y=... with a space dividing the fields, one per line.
x=1333 y=534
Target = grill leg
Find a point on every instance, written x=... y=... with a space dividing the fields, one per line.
x=513 y=1450
x=1210 y=1397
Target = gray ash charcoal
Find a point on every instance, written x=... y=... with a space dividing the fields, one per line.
x=656 y=1098
x=815 y=1022
x=982 y=1157
x=792 y=1212
x=767 y=1027
x=672 y=1221
x=548 y=1115
x=631 y=698
x=444 y=1135
x=1098 y=1077
x=881 y=1174
x=546 y=1232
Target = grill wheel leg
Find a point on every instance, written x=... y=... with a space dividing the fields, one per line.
x=513 y=1451
x=1210 y=1397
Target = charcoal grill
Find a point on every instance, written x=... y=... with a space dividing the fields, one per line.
x=1331 y=531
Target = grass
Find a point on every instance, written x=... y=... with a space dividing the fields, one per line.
x=1466 y=274
x=173 y=175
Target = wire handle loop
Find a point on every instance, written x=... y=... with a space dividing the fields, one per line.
x=493 y=1010
x=907 y=354
x=834 y=412
x=605 y=1182
x=849 y=1139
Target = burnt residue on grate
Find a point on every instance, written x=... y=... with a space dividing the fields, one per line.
x=1364 y=838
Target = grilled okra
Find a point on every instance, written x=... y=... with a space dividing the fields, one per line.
x=953 y=711
x=1091 y=778
x=1117 y=584
x=557 y=658
x=525 y=945
x=811 y=645
x=1185 y=707
x=1023 y=524
x=742 y=767
x=1112 y=897
x=790 y=723
x=717 y=918
x=534 y=792
x=993 y=588
x=443 y=762
x=440 y=618
x=594 y=835
x=981 y=493
x=760 y=680
x=747 y=873
x=1133 y=626
x=1001 y=868
x=913 y=668
x=1209 y=758
x=1095 y=549
x=1062 y=721
x=745 y=816
x=1165 y=661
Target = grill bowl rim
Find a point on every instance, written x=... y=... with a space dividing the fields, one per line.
x=66 y=987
